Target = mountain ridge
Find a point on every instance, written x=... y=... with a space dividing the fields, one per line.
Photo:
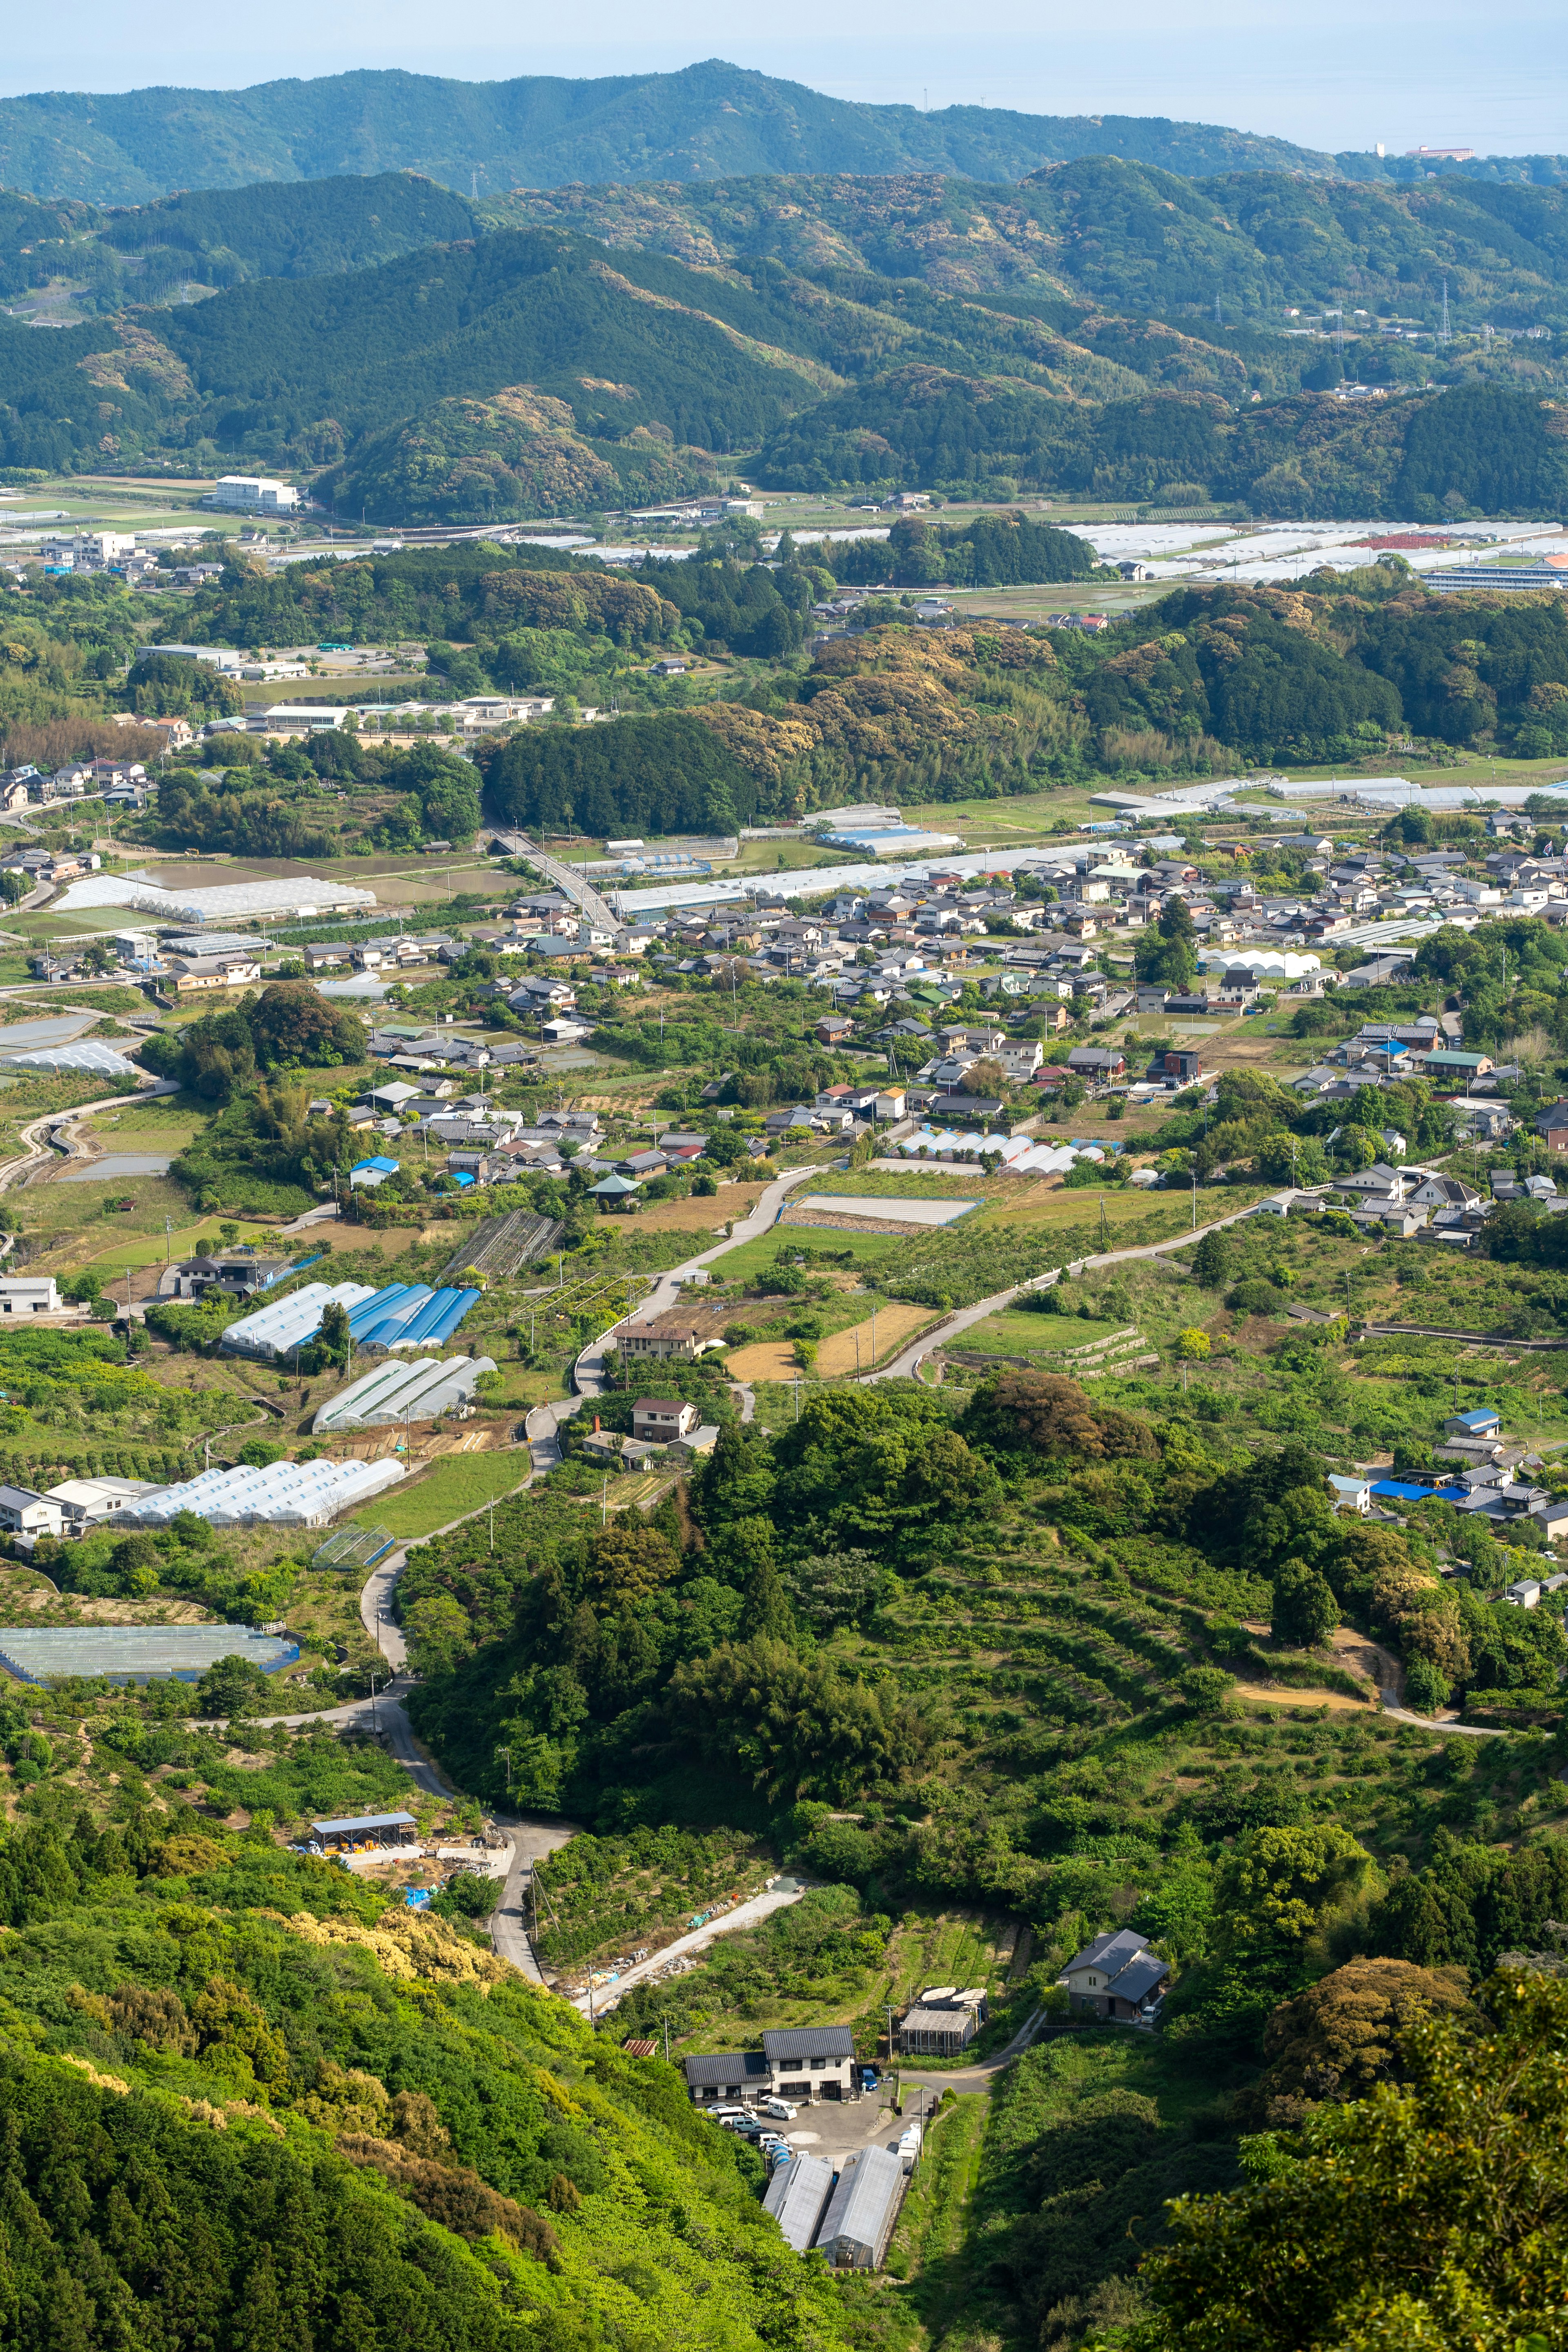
x=707 y=120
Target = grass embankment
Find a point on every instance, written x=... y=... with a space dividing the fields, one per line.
x=455 y=1486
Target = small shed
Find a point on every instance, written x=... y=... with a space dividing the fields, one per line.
x=1482 y=1422
x=862 y=2211
x=385 y=1829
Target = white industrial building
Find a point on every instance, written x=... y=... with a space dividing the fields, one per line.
x=253 y=494
x=25 y=1295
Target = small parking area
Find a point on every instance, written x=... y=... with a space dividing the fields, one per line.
x=835 y=2128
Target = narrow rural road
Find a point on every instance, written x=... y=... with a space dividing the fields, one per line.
x=38 y=1153
x=941 y=1335
x=745 y=1915
x=590 y=1374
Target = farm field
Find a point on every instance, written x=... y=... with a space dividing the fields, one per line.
x=456 y=1485
x=838 y=1357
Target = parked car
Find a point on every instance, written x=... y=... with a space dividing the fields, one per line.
x=870 y=2079
x=768 y=2141
x=780 y=2109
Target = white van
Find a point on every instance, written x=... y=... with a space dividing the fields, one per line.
x=780 y=2109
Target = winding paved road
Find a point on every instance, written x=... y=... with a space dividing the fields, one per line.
x=906 y=1366
x=38 y=1153
x=745 y=1915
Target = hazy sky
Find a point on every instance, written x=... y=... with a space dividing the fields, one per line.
x=1330 y=75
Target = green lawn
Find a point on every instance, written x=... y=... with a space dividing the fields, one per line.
x=458 y=1485
x=1013 y=1334
x=744 y=1264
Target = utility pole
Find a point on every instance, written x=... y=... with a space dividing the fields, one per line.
x=492 y=1523
x=506 y=1753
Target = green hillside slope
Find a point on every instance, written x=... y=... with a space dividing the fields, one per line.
x=246 y=2102
x=218 y=238
x=1122 y=233
x=703 y=122
x=289 y=372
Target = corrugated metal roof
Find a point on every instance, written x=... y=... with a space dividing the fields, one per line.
x=860 y=2216
x=1140 y=1977
x=796 y=2197
x=809 y=2042
x=368 y=1821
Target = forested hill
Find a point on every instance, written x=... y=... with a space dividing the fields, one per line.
x=1125 y=234
x=221 y=236
x=706 y=121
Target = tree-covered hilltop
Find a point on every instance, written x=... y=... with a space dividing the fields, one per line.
x=540 y=131
x=249 y=2101
x=604 y=345
x=1482 y=448
x=215 y=237
x=292 y=371
x=1085 y=240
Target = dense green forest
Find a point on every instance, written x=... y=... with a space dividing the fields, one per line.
x=539 y=130
x=1480 y=448
x=217 y=238
x=1202 y=677
x=1099 y=234
x=1334 y=670
x=604 y=345
x=245 y=2101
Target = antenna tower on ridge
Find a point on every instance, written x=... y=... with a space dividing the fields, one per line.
x=1443 y=330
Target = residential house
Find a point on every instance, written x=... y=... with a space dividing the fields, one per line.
x=800 y=2063
x=1378 y=1182
x=194 y=973
x=677 y=1334
x=1117 y=1977
x=617 y=1192
x=1351 y=1494
x=366 y=1175
x=1098 y=1064
x=235 y=1275
x=1443 y=1193
x=656 y=1420
x=1481 y=1421
x=1553 y=1125
x=27 y=1516
x=1179 y=1065
x=695 y=1446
